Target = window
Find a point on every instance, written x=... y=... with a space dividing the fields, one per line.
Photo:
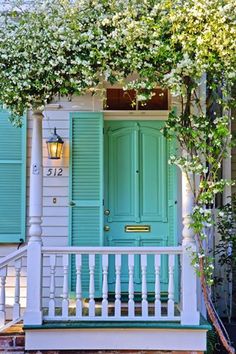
x=120 y=100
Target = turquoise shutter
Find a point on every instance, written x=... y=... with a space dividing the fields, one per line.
x=12 y=180
x=86 y=189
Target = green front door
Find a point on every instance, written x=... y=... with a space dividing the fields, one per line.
x=140 y=196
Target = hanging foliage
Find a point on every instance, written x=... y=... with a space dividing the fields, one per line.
x=188 y=47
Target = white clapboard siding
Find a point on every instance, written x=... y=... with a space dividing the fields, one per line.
x=64 y=133
x=51 y=202
x=55 y=191
x=55 y=221
x=82 y=103
x=55 y=231
x=49 y=124
x=47 y=278
x=61 y=201
x=63 y=162
x=6 y=249
x=55 y=182
x=55 y=211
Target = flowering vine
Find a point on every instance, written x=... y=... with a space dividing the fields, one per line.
x=189 y=47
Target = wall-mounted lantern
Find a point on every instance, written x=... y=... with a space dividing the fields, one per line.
x=54 y=145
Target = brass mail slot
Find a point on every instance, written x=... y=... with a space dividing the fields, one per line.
x=137 y=228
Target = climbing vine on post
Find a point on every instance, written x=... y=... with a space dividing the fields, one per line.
x=189 y=47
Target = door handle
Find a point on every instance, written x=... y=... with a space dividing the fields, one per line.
x=106 y=228
x=72 y=204
x=107 y=212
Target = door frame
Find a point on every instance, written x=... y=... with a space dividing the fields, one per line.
x=175 y=175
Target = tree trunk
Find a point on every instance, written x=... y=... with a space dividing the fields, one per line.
x=211 y=311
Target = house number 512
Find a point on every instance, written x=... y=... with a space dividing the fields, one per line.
x=54 y=171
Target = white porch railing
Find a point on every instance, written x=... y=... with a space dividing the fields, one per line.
x=117 y=308
x=10 y=270
x=140 y=303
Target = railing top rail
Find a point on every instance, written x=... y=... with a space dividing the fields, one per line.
x=12 y=256
x=112 y=250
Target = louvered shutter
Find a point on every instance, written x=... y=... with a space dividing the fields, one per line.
x=86 y=190
x=12 y=180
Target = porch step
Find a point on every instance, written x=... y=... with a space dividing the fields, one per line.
x=13 y=341
x=116 y=337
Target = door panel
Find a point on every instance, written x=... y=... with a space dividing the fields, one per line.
x=122 y=161
x=138 y=191
x=153 y=191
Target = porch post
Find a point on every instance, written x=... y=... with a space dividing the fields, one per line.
x=33 y=313
x=189 y=313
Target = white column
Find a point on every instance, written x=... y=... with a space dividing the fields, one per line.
x=33 y=313
x=189 y=313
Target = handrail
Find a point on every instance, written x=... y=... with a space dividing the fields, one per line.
x=12 y=256
x=10 y=323
x=112 y=250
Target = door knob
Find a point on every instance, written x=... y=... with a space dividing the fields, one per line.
x=106 y=228
x=107 y=212
x=72 y=204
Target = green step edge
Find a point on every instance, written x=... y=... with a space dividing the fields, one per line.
x=204 y=325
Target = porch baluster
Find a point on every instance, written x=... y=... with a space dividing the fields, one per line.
x=16 y=306
x=118 y=289
x=65 y=301
x=157 y=286
x=91 y=285
x=171 y=303
x=51 y=306
x=144 y=285
x=3 y=274
x=79 y=304
x=131 y=286
x=104 y=286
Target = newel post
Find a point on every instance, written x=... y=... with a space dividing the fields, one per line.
x=33 y=313
x=189 y=313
